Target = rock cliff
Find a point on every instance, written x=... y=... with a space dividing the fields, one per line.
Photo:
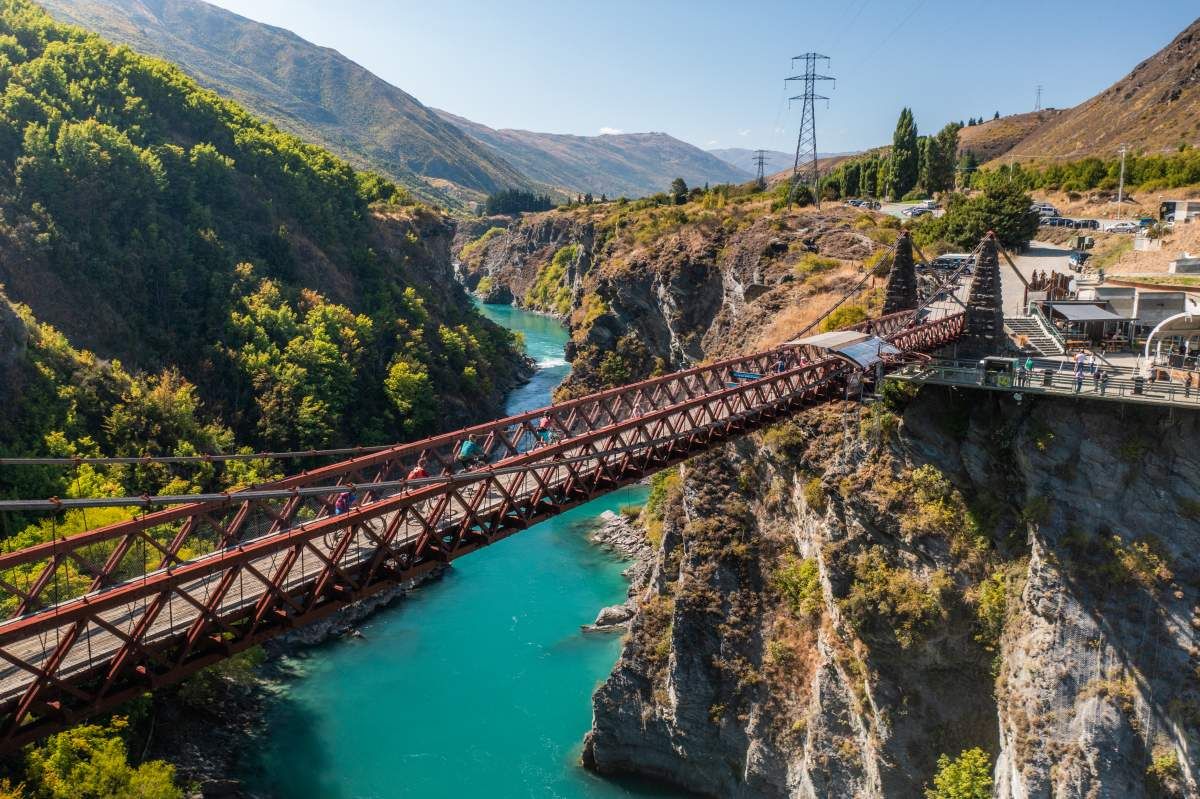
x=646 y=288
x=839 y=601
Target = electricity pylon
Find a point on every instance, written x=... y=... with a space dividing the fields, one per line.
x=804 y=171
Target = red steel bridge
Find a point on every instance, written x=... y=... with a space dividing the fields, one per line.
x=102 y=616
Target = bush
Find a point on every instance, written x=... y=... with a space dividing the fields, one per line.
x=813 y=264
x=879 y=591
x=814 y=494
x=969 y=776
x=844 y=316
x=798 y=582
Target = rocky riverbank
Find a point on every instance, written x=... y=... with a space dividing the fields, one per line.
x=627 y=538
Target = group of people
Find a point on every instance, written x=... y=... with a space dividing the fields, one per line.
x=1084 y=363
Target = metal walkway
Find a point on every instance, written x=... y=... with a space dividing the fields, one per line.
x=1054 y=381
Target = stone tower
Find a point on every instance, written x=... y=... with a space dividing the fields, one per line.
x=901 y=292
x=985 y=304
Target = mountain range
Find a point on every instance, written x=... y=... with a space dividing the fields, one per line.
x=322 y=96
x=616 y=164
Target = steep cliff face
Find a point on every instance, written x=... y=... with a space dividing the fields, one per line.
x=647 y=287
x=839 y=601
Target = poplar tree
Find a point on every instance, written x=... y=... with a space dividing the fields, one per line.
x=904 y=160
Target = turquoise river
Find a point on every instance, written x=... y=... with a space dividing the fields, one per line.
x=478 y=684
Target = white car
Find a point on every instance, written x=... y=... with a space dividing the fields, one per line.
x=1124 y=227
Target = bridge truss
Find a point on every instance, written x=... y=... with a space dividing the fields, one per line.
x=103 y=616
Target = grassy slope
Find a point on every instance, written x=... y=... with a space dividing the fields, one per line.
x=312 y=91
x=996 y=137
x=1155 y=107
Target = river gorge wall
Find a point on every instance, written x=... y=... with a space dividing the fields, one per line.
x=838 y=601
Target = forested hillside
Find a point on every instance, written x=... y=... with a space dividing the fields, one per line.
x=234 y=283
x=312 y=91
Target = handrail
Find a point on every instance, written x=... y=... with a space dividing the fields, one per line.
x=1050 y=330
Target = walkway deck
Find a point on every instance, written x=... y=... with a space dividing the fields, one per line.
x=1049 y=379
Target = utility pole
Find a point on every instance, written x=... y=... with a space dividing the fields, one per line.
x=1037 y=106
x=760 y=158
x=1121 y=184
x=804 y=171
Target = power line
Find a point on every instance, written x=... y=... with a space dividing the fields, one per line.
x=1037 y=106
x=805 y=172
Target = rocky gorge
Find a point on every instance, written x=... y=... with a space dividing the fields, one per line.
x=834 y=604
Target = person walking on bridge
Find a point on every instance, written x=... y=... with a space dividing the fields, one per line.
x=418 y=472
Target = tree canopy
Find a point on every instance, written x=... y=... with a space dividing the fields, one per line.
x=902 y=175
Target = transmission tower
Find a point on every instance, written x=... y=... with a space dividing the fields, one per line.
x=760 y=158
x=1037 y=106
x=804 y=171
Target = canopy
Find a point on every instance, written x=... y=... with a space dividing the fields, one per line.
x=866 y=353
x=835 y=338
x=1086 y=313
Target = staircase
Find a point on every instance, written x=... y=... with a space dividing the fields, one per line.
x=1040 y=340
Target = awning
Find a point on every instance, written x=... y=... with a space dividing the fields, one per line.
x=835 y=338
x=1086 y=313
x=866 y=353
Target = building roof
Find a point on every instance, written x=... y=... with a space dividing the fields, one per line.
x=1085 y=313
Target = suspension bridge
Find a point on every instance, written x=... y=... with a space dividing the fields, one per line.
x=102 y=616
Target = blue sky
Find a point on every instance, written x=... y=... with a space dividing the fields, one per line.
x=712 y=73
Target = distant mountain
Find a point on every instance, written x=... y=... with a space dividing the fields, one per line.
x=776 y=160
x=624 y=164
x=313 y=92
x=1155 y=107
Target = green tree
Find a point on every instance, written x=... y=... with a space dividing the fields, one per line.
x=969 y=776
x=942 y=151
x=679 y=191
x=90 y=762
x=1003 y=207
x=902 y=175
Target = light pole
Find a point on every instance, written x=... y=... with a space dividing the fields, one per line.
x=1121 y=184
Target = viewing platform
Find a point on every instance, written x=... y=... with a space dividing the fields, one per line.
x=1052 y=377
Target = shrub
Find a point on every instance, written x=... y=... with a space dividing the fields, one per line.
x=813 y=264
x=909 y=604
x=798 y=582
x=968 y=776
x=1163 y=775
x=550 y=290
x=843 y=316
x=814 y=494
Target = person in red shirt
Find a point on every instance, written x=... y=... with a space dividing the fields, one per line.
x=418 y=471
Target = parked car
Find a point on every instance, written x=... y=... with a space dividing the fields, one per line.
x=872 y=205
x=1123 y=227
x=915 y=211
x=854 y=203
x=1089 y=224
x=1045 y=209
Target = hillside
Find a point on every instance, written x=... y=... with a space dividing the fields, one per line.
x=1154 y=108
x=625 y=164
x=996 y=137
x=211 y=265
x=313 y=92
